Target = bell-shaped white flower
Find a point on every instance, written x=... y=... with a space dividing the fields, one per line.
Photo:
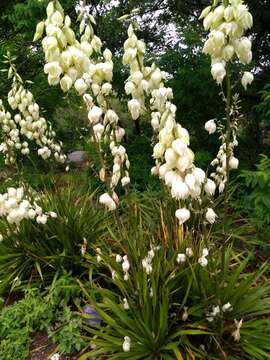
x=210 y=216
x=126 y=344
x=80 y=86
x=181 y=258
x=182 y=215
x=210 y=187
x=247 y=79
x=210 y=126
x=135 y=108
x=233 y=163
x=218 y=72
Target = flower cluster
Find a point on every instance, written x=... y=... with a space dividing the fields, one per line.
x=91 y=76
x=125 y=267
x=181 y=258
x=67 y=59
x=203 y=259
x=174 y=158
x=147 y=262
x=218 y=311
x=225 y=160
x=26 y=124
x=227 y=25
x=16 y=206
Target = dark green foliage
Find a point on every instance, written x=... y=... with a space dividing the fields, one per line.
x=38 y=311
x=158 y=301
x=256 y=203
x=68 y=334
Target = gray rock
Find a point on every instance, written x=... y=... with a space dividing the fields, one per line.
x=78 y=158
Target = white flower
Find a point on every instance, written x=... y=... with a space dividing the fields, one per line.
x=247 y=79
x=125 y=304
x=126 y=344
x=112 y=116
x=179 y=189
x=125 y=265
x=182 y=215
x=190 y=181
x=94 y=114
x=181 y=258
x=42 y=219
x=126 y=276
x=218 y=72
x=210 y=216
x=203 y=261
x=205 y=252
x=125 y=181
x=118 y=258
x=233 y=163
x=66 y=83
x=189 y=252
x=55 y=356
x=215 y=311
x=52 y=214
x=107 y=200
x=53 y=69
x=179 y=146
x=199 y=175
x=135 y=108
x=227 y=307
x=80 y=86
x=158 y=151
x=210 y=126
x=129 y=87
x=210 y=187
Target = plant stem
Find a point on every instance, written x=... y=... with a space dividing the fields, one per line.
x=228 y=138
x=228 y=154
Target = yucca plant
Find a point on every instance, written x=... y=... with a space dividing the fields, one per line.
x=36 y=252
x=166 y=309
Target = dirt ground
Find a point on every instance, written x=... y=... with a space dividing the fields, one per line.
x=42 y=348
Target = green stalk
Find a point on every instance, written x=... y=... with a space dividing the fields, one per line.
x=228 y=138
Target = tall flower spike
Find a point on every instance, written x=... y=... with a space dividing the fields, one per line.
x=226 y=42
x=174 y=159
x=80 y=63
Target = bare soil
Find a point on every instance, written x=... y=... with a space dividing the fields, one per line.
x=43 y=348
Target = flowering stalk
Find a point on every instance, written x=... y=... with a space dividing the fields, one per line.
x=80 y=63
x=174 y=159
x=227 y=21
